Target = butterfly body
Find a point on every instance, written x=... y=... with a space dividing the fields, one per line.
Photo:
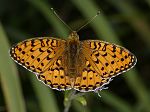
x=72 y=64
x=72 y=51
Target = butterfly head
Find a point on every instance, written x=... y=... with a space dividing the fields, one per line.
x=74 y=36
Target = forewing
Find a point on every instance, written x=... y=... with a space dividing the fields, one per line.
x=37 y=54
x=109 y=59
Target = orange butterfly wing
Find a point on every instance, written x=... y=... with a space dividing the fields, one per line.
x=43 y=56
x=88 y=78
x=101 y=61
x=56 y=76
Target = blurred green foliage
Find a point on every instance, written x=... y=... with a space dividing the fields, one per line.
x=125 y=22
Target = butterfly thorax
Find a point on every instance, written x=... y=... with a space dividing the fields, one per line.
x=73 y=45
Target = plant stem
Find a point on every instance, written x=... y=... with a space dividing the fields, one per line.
x=68 y=99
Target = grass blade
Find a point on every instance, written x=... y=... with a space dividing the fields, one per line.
x=100 y=25
x=9 y=78
x=45 y=96
x=135 y=18
x=46 y=11
x=115 y=102
x=139 y=89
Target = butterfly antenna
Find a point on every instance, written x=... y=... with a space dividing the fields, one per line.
x=89 y=21
x=61 y=20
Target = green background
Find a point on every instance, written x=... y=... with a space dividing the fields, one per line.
x=124 y=22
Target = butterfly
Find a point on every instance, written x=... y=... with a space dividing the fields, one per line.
x=85 y=65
